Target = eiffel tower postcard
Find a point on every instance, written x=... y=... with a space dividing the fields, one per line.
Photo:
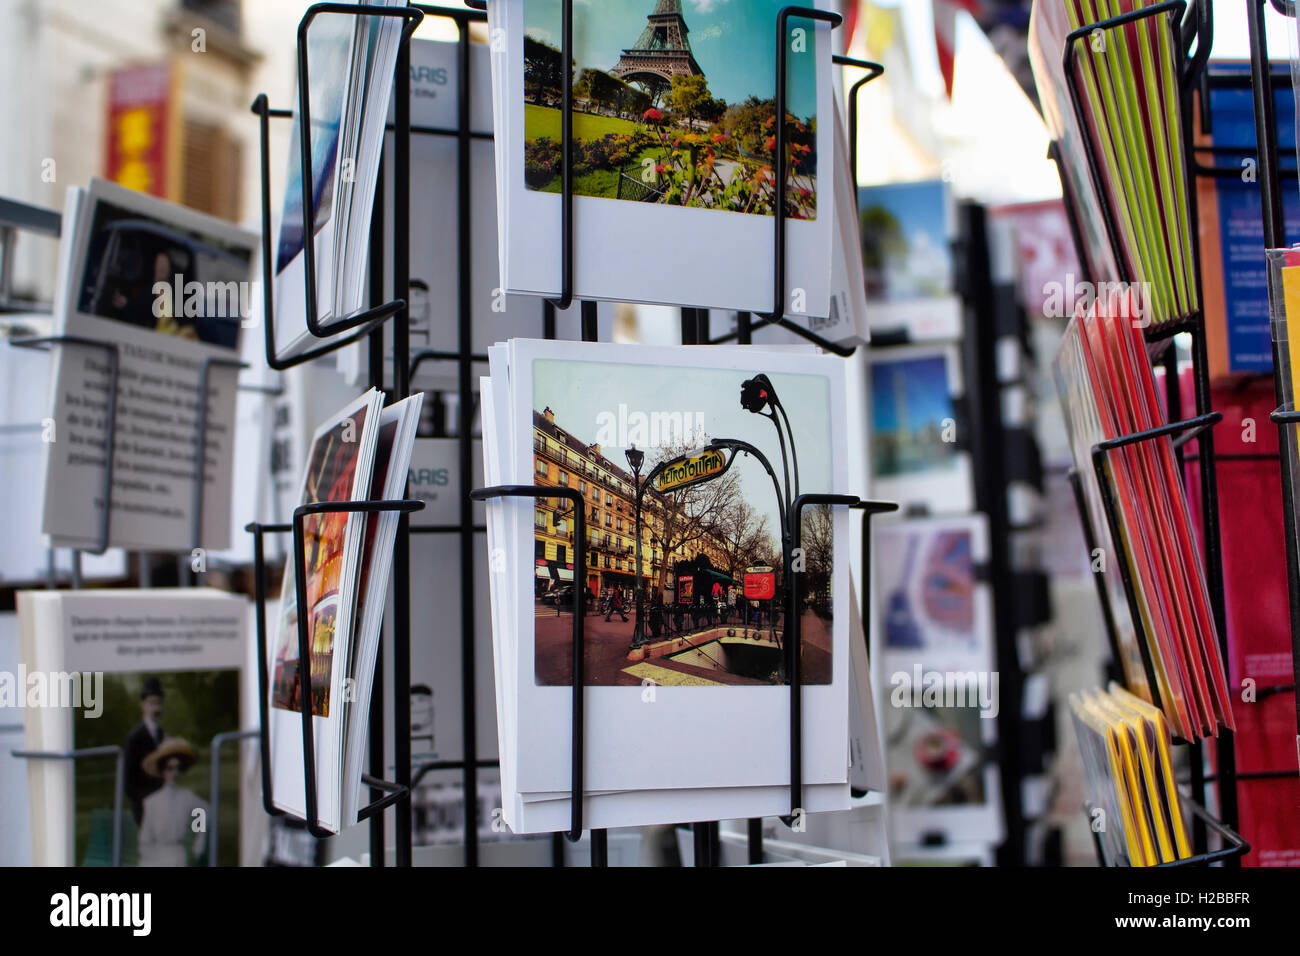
x=672 y=156
x=673 y=104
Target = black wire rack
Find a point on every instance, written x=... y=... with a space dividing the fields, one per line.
x=1191 y=26
x=370 y=322
x=695 y=330
x=1286 y=417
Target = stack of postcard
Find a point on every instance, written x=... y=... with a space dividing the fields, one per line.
x=1133 y=802
x=673 y=153
x=1130 y=118
x=1108 y=390
x=435 y=248
x=685 y=494
x=350 y=63
x=362 y=452
x=938 y=662
x=164 y=288
x=152 y=678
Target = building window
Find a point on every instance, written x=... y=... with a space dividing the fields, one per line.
x=539 y=549
x=607 y=541
x=541 y=468
x=620 y=520
x=607 y=521
x=563 y=476
x=561 y=553
x=582 y=485
x=539 y=519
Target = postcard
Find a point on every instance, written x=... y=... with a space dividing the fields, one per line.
x=674 y=136
x=917 y=451
x=169 y=287
x=338 y=468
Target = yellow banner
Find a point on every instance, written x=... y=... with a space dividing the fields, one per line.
x=687 y=471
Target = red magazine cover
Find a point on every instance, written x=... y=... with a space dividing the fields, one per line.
x=1140 y=537
x=1185 y=552
x=1258 y=615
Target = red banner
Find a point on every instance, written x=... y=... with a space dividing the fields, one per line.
x=140 y=140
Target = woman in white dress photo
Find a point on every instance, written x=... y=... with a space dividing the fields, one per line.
x=171 y=833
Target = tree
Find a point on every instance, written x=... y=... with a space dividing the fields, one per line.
x=742 y=534
x=687 y=516
x=818 y=544
x=543 y=69
x=689 y=95
x=607 y=92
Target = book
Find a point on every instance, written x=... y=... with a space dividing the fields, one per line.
x=155 y=675
x=167 y=287
x=24 y=429
x=664 y=170
x=1231 y=229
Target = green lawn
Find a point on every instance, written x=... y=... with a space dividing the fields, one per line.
x=545 y=121
x=604 y=182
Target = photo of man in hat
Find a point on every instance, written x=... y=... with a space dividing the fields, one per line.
x=168 y=834
x=144 y=739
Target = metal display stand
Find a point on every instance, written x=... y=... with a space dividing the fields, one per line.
x=50 y=223
x=119 y=757
x=350 y=329
x=694 y=331
x=393 y=792
x=1286 y=418
x=1234 y=847
x=1185 y=28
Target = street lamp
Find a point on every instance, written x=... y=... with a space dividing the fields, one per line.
x=758 y=396
x=636 y=458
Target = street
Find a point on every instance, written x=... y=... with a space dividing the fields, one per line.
x=608 y=642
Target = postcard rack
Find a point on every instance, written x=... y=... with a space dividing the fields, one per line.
x=1285 y=417
x=369 y=325
x=393 y=792
x=339 y=333
x=695 y=323
x=1233 y=845
x=1187 y=23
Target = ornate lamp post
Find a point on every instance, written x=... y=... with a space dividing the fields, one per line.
x=636 y=458
x=758 y=396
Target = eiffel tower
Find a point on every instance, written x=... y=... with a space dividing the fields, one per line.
x=660 y=53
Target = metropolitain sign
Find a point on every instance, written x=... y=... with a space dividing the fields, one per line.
x=692 y=469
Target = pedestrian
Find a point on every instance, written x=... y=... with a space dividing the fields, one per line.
x=731 y=604
x=616 y=605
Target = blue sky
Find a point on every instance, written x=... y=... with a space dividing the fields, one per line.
x=925 y=390
x=919 y=207
x=733 y=41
